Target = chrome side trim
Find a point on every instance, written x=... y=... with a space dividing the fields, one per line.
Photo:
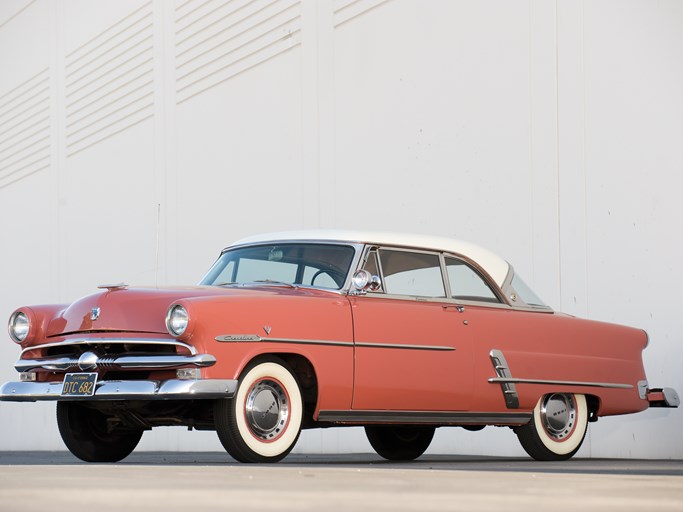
x=245 y=338
x=425 y=417
x=123 y=390
x=405 y=347
x=114 y=341
x=309 y=342
x=561 y=383
x=242 y=338
x=502 y=369
x=90 y=361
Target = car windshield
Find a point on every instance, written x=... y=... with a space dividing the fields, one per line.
x=292 y=264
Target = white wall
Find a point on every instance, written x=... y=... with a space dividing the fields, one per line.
x=549 y=132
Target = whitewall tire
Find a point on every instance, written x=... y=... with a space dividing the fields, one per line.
x=558 y=427
x=262 y=422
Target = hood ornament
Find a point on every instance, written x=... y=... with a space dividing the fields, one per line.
x=267 y=328
x=112 y=287
x=94 y=314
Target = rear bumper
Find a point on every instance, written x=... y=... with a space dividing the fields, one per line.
x=174 y=389
x=664 y=397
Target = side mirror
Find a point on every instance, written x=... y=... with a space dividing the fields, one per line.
x=364 y=281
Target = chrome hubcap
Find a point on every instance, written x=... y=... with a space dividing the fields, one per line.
x=267 y=409
x=558 y=415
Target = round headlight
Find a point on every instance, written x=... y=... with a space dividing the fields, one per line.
x=19 y=326
x=176 y=320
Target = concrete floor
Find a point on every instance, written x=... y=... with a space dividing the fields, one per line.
x=57 y=481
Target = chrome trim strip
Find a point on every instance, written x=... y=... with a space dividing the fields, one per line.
x=309 y=342
x=405 y=347
x=123 y=390
x=425 y=417
x=561 y=383
x=502 y=369
x=114 y=362
x=115 y=341
x=245 y=338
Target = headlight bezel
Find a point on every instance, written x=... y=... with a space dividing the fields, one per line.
x=12 y=324
x=175 y=313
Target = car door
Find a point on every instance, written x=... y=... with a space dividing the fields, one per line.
x=412 y=350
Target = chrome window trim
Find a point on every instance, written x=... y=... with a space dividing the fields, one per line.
x=442 y=255
x=116 y=341
x=497 y=292
x=427 y=252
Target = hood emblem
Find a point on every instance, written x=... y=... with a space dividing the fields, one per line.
x=94 y=314
x=267 y=329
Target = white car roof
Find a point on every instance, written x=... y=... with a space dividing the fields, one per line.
x=493 y=264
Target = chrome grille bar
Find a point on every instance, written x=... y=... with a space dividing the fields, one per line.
x=91 y=361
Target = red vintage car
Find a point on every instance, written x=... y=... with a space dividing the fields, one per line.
x=400 y=334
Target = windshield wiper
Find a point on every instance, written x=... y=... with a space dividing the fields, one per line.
x=226 y=283
x=271 y=281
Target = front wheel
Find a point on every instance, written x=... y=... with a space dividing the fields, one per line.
x=262 y=422
x=86 y=433
x=557 y=429
x=399 y=443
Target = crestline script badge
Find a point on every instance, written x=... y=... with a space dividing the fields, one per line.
x=238 y=337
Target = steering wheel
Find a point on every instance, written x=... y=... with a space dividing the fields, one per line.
x=337 y=277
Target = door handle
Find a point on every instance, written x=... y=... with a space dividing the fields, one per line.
x=458 y=308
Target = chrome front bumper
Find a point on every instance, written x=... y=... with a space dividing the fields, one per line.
x=174 y=389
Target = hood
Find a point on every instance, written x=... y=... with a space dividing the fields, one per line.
x=129 y=309
x=143 y=310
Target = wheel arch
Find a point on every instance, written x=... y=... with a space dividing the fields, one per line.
x=305 y=374
x=593 y=404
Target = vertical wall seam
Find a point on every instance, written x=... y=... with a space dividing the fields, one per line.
x=583 y=149
x=557 y=152
x=531 y=151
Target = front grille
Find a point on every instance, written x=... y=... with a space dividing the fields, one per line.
x=111 y=349
x=113 y=354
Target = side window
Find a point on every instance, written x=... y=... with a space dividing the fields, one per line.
x=466 y=284
x=410 y=273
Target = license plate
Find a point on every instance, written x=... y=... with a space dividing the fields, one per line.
x=79 y=384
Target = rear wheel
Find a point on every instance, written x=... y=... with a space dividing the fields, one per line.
x=557 y=429
x=262 y=422
x=86 y=434
x=399 y=443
